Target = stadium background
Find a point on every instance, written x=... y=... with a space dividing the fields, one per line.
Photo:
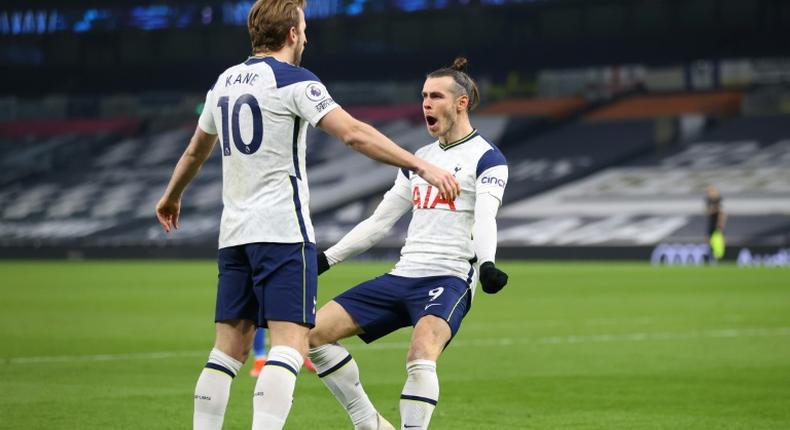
x=614 y=115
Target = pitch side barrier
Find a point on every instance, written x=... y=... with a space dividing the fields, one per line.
x=681 y=254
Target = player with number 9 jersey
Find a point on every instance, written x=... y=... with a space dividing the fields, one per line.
x=450 y=244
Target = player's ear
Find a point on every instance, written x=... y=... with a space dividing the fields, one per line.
x=462 y=103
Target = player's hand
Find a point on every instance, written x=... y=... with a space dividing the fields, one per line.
x=491 y=278
x=441 y=179
x=323 y=263
x=167 y=212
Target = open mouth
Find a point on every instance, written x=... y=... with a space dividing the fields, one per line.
x=430 y=120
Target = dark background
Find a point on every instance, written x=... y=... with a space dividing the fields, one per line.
x=382 y=42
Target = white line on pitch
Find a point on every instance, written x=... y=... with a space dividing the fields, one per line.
x=458 y=343
x=101 y=357
x=598 y=338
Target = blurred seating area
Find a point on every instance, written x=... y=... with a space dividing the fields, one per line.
x=629 y=171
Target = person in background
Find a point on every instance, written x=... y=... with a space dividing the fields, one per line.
x=716 y=220
x=259 y=349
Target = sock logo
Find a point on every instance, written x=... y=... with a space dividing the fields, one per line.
x=258 y=394
x=200 y=397
x=406 y=426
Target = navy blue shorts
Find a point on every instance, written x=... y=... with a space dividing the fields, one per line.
x=388 y=303
x=267 y=281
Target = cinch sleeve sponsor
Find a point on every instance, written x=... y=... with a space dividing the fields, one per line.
x=493 y=181
x=206 y=120
x=311 y=101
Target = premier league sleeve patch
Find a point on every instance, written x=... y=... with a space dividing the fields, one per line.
x=313 y=101
x=315 y=92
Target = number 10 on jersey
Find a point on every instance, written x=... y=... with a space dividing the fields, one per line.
x=254 y=144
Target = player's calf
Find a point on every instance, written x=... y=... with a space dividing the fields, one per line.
x=340 y=373
x=273 y=394
x=212 y=390
x=420 y=394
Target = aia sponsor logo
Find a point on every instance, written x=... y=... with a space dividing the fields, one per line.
x=429 y=198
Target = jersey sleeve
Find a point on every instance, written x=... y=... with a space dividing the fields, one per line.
x=367 y=233
x=206 y=120
x=309 y=100
x=484 y=231
x=402 y=186
x=492 y=174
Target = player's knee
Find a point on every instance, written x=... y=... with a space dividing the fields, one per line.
x=423 y=349
x=238 y=348
x=430 y=336
x=236 y=351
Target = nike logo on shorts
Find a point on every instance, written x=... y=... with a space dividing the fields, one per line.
x=426 y=308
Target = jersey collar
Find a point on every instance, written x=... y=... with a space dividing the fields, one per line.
x=464 y=139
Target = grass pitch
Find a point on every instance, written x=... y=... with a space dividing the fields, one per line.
x=119 y=345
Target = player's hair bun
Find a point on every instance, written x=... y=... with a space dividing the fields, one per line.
x=460 y=64
x=462 y=79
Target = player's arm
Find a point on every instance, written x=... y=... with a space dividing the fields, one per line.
x=370 y=231
x=484 y=233
x=372 y=143
x=169 y=206
x=490 y=188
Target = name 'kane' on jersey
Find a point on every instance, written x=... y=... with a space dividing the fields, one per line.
x=439 y=239
x=260 y=110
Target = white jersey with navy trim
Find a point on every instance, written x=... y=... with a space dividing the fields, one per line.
x=439 y=239
x=260 y=110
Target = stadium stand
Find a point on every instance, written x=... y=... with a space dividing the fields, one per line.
x=581 y=174
x=659 y=196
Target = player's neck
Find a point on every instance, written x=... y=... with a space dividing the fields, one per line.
x=283 y=55
x=462 y=129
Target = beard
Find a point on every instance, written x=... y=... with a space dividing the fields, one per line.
x=449 y=124
x=298 y=51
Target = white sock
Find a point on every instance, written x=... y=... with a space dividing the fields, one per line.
x=420 y=394
x=275 y=388
x=213 y=390
x=339 y=372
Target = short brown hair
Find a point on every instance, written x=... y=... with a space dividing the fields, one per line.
x=464 y=84
x=270 y=21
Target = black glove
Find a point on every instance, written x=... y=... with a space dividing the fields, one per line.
x=491 y=278
x=323 y=263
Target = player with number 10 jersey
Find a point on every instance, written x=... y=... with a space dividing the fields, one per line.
x=259 y=111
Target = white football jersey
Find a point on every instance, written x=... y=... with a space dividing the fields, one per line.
x=439 y=239
x=260 y=110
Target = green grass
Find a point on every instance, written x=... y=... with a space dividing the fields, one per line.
x=564 y=346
